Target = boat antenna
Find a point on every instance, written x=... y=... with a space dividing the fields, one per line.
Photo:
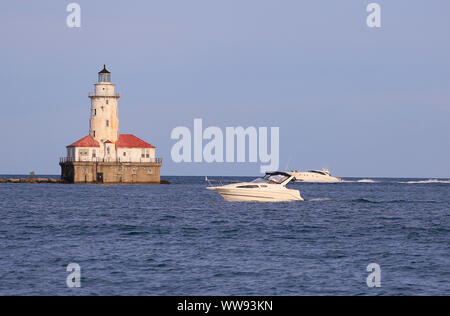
x=288 y=163
x=207 y=180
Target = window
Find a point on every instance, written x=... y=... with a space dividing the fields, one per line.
x=147 y=153
x=248 y=187
x=108 y=150
x=94 y=154
x=124 y=154
x=107 y=123
x=84 y=152
x=95 y=112
x=272 y=178
x=150 y=171
x=104 y=77
x=93 y=134
x=142 y=153
x=107 y=101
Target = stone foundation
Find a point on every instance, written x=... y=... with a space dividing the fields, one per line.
x=111 y=172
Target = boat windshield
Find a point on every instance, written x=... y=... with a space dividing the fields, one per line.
x=320 y=172
x=271 y=179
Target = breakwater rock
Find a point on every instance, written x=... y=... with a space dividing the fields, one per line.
x=46 y=180
x=30 y=180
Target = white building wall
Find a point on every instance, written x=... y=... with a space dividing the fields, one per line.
x=109 y=152
x=119 y=154
x=82 y=153
x=136 y=154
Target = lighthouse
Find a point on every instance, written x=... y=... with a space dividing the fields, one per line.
x=104 y=122
x=106 y=155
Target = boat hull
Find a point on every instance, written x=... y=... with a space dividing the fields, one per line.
x=312 y=177
x=244 y=195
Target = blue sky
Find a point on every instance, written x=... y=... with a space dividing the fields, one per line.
x=363 y=102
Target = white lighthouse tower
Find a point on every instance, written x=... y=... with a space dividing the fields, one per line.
x=104 y=122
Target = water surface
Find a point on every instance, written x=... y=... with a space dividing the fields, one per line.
x=181 y=239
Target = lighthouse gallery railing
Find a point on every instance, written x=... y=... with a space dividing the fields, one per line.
x=95 y=159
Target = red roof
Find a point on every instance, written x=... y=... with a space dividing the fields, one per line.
x=87 y=141
x=131 y=141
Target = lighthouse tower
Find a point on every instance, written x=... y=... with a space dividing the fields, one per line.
x=104 y=122
x=105 y=156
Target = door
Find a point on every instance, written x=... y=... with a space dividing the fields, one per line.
x=100 y=177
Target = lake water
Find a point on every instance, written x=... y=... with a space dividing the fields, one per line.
x=181 y=239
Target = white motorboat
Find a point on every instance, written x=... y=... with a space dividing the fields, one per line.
x=271 y=188
x=323 y=175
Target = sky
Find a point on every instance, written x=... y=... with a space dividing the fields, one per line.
x=364 y=102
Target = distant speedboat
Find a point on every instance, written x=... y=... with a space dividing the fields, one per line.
x=271 y=188
x=323 y=175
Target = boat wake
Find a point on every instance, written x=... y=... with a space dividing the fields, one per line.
x=371 y=201
x=360 y=181
x=319 y=200
x=426 y=181
x=367 y=181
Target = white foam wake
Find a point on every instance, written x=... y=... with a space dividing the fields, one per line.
x=426 y=181
x=319 y=200
x=367 y=181
x=361 y=181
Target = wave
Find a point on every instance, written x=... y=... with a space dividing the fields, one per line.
x=319 y=200
x=426 y=181
x=367 y=181
x=363 y=200
x=361 y=181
